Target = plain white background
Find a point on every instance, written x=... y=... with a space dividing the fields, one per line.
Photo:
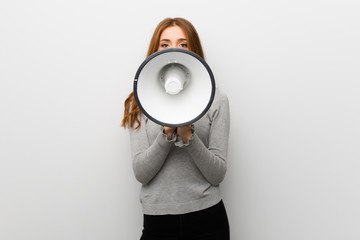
x=291 y=72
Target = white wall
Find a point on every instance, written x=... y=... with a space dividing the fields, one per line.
x=290 y=69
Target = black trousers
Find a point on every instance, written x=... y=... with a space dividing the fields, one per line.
x=208 y=224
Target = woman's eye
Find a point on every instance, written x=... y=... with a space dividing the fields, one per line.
x=184 y=45
x=165 y=45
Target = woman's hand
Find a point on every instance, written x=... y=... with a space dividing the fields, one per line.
x=185 y=133
x=169 y=131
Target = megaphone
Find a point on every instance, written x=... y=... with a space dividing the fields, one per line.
x=174 y=87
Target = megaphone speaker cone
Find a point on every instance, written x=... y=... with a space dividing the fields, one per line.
x=174 y=77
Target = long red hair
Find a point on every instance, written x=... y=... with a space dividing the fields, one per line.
x=132 y=111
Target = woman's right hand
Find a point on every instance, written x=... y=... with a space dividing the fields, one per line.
x=169 y=131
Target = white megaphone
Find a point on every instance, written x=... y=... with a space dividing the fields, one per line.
x=174 y=87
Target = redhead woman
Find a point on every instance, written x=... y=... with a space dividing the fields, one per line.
x=180 y=169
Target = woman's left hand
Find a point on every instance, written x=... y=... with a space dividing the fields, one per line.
x=185 y=133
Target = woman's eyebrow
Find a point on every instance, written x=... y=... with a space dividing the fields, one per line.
x=168 y=40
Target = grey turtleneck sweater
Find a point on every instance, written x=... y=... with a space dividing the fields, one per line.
x=179 y=178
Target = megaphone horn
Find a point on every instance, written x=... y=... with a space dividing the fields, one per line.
x=174 y=87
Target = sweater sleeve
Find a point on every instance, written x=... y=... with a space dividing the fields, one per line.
x=212 y=160
x=148 y=158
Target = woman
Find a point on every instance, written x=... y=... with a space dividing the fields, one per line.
x=180 y=168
